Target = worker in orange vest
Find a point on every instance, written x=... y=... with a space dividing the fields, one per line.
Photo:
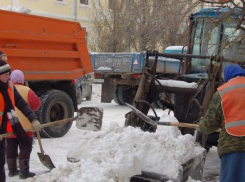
x=9 y=98
x=17 y=77
x=227 y=111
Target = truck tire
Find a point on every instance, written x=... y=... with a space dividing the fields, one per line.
x=79 y=95
x=115 y=95
x=56 y=105
x=126 y=94
x=89 y=98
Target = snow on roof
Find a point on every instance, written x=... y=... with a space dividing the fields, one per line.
x=21 y=9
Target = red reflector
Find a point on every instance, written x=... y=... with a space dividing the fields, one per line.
x=135 y=76
x=97 y=76
x=73 y=81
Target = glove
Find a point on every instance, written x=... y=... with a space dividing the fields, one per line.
x=36 y=126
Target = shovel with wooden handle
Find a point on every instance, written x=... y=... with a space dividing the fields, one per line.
x=88 y=118
x=152 y=122
x=45 y=159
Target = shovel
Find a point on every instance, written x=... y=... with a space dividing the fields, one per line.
x=88 y=118
x=45 y=159
x=152 y=122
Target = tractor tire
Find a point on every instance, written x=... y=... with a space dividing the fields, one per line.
x=115 y=95
x=56 y=105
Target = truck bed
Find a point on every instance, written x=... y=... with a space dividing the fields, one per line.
x=129 y=63
x=44 y=48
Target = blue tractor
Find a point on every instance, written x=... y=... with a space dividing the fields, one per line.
x=215 y=41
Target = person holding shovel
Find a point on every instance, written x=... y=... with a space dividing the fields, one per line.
x=226 y=111
x=9 y=98
x=17 y=77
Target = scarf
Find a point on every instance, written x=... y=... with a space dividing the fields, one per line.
x=9 y=114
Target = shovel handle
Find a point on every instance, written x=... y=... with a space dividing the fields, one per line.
x=39 y=142
x=43 y=125
x=185 y=125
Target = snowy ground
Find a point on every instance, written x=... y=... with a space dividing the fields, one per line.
x=58 y=149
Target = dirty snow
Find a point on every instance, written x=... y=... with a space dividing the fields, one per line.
x=115 y=153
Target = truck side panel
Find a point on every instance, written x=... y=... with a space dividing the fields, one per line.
x=44 y=48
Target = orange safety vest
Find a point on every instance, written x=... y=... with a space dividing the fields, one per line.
x=2 y=104
x=233 y=98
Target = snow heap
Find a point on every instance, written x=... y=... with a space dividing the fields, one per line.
x=119 y=153
x=21 y=9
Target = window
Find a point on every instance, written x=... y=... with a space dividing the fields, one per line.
x=60 y=1
x=84 y=2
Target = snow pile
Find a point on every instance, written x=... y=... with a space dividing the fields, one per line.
x=177 y=83
x=96 y=92
x=104 y=68
x=120 y=153
x=21 y=9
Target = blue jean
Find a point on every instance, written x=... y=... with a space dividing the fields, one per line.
x=233 y=167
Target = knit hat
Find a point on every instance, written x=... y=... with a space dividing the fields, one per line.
x=3 y=56
x=17 y=76
x=233 y=71
x=4 y=67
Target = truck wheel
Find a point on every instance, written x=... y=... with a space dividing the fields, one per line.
x=88 y=98
x=121 y=95
x=126 y=94
x=56 y=105
x=115 y=95
x=79 y=95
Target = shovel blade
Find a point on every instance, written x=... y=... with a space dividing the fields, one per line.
x=46 y=160
x=89 y=118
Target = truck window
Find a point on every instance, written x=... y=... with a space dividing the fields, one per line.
x=205 y=42
x=231 y=44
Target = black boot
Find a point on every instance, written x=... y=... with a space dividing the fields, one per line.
x=12 y=165
x=24 y=169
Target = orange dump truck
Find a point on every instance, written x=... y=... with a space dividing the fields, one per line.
x=51 y=53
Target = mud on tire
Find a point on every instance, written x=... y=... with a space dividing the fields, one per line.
x=56 y=105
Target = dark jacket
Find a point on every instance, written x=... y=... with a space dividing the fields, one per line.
x=23 y=106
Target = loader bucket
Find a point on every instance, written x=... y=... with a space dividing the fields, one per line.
x=192 y=168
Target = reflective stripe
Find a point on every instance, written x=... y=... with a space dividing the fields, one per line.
x=12 y=87
x=1 y=113
x=235 y=123
x=230 y=88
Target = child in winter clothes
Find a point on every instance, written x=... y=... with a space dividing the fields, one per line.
x=9 y=98
x=17 y=77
